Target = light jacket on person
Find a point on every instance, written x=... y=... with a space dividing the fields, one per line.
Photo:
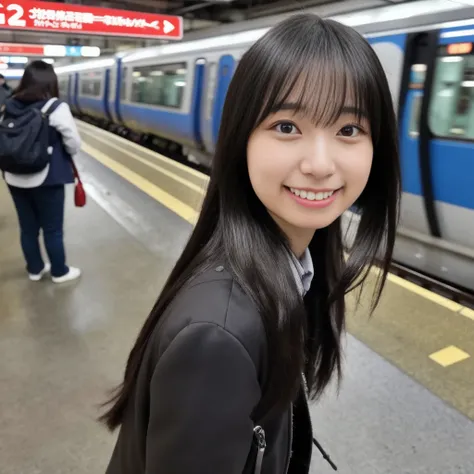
x=64 y=139
x=200 y=380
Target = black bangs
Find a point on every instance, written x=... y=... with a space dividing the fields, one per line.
x=321 y=70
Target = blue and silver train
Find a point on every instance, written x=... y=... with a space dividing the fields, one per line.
x=175 y=93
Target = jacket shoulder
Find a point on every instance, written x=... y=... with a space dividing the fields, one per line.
x=214 y=298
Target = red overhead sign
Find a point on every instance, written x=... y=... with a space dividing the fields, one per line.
x=22 y=49
x=80 y=19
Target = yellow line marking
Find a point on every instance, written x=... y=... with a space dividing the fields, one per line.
x=169 y=201
x=170 y=174
x=468 y=312
x=191 y=215
x=449 y=355
x=155 y=155
x=427 y=294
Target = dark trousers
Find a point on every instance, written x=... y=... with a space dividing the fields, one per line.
x=41 y=208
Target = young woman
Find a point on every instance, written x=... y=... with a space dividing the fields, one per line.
x=250 y=320
x=39 y=197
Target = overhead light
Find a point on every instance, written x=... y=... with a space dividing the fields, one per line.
x=14 y=59
x=451 y=59
x=13 y=73
x=97 y=64
x=90 y=51
x=18 y=60
x=457 y=34
x=467 y=83
x=55 y=50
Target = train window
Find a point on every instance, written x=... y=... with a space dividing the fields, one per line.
x=415 y=114
x=159 y=84
x=91 y=83
x=452 y=104
x=417 y=76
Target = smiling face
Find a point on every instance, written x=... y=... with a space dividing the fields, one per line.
x=307 y=174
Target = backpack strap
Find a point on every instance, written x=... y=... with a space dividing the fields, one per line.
x=50 y=106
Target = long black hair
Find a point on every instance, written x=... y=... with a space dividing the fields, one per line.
x=39 y=82
x=328 y=62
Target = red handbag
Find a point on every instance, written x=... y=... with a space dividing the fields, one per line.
x=79 y=193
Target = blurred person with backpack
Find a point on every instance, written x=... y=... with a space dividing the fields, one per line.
x=38 y=138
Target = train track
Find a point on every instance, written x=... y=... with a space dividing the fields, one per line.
x=453 y=293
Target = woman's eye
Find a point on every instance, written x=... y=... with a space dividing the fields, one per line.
x=287 y=128
x=350 y=131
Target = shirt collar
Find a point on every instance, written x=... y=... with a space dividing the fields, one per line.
x=303 y=271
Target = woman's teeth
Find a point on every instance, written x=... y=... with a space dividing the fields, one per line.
x=310 y=196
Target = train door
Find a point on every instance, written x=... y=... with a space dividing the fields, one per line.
x=437 y=150
x=72 y=88
x=105 y=94
x=225 y=70
x=75 y=101
x=207 y=104
x=198 y=99
x=449 y=115
x=69 y=89
x=418 y=208
x=112 y=93
x=217 y=79
x=437 y=135
x=120 y=90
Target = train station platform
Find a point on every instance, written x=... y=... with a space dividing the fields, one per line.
x=406 y=403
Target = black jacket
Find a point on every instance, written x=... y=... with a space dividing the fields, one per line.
x=199 y=382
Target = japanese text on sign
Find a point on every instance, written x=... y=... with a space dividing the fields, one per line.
x=66 y=17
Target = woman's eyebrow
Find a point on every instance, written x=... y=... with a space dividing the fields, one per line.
x=351 y=110
x=285 y=106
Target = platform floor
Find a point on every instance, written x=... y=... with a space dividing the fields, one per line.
x=62 y=347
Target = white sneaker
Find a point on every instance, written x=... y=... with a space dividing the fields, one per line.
x=72 y=274
x=39 y=276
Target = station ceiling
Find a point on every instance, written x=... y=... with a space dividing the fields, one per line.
x=198 y=15
x=221 y=11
